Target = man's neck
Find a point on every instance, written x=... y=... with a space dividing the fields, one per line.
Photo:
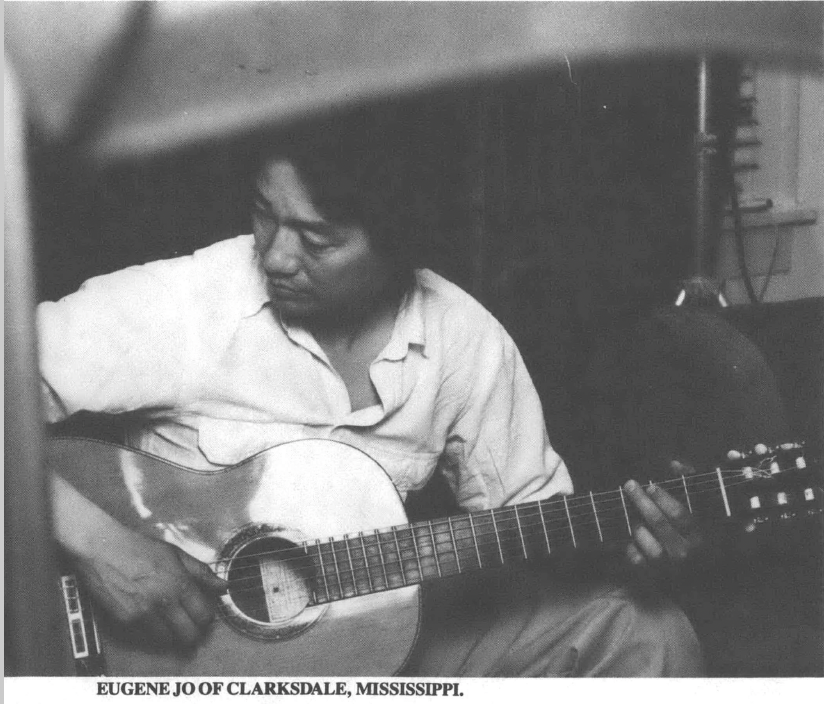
x=352 y=343
x=346 y=327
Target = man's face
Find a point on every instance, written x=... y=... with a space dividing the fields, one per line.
x=316 y=269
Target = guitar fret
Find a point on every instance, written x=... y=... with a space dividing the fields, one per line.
x=723 y=491
x=434 y=548
x=497 y=536
x=569 y=518
x=626 y=513
x=520 y=532
x=400 y=557
x=543 y=526
x=337 y=569
x=454 y=544
x=366 y=563
x=474 y=539
x=417 y=552
x=383 y=561
x=323 y=571
x=531 y=527
x=595 y=513
x=686 y=492
x=351 y=564
x=311 y=582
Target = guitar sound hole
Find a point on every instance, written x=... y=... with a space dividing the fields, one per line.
x=268 y=579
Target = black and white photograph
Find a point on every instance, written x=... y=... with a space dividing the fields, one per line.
x=427 y=349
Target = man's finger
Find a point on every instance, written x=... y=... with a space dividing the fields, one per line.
x=202 y=574
x=679 y=468
x=199 y=608
x=184 y=628
x=634 y=555
x=646 y=543
x=657 y=521
x=658 y=536
x=673 y=509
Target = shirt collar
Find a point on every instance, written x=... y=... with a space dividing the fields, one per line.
x=257 y=294
x=410 y=326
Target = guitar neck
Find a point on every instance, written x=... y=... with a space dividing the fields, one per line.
x=404 y=555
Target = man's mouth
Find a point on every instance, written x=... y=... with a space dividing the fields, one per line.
x=285 y=291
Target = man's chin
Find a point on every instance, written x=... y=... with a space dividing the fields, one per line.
x=293 y=310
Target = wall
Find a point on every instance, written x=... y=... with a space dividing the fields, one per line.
x=801 y=247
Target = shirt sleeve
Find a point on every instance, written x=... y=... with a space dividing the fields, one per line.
x=498 y=452
x=116 y=345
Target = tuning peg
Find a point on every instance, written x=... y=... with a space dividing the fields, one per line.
x=794 y=451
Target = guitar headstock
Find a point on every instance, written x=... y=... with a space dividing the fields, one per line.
x=773 y=485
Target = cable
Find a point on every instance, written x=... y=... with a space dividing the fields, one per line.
x=738 y=232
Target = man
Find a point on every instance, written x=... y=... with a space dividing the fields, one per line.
x=319 y=326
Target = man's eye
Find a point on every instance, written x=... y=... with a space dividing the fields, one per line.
x=315 y=245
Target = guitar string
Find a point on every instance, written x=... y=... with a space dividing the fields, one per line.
x=339 y=548
x=555 y=524
x=431 y=550
x=574 y=503
x=429 y=554
x=470 y=546
x=344 y=583
x=481 y=540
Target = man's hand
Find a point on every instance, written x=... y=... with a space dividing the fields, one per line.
x=142 y=583
x=668 y=531
x=153 y=586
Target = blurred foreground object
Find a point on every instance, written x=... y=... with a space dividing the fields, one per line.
x=192 y=71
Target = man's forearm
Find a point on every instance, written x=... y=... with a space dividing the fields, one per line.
x=79 y=524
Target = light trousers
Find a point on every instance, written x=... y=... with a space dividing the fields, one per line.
x=526 y=624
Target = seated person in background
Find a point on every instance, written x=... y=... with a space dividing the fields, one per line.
x=318 y=325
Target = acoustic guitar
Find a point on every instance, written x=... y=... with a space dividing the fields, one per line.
x=324 y=571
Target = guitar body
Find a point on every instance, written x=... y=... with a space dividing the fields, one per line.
x=322 y=569
x=259 y=513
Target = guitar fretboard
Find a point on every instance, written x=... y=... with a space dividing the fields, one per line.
x=391 y=558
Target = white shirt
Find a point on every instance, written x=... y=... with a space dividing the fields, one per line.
x=216 y=375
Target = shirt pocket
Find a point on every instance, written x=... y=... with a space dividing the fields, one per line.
x=228 y=442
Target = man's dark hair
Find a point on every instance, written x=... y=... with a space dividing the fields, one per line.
x=367 y=167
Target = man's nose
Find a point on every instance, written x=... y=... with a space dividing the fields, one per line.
x=281 y=256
